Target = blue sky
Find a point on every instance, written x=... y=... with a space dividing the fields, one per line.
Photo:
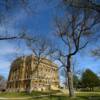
x=39 y=23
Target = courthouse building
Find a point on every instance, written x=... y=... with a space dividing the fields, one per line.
x=27 y=74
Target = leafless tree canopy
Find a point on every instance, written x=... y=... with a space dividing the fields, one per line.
x=88 y=4
x=75 y=29
x=96 y=52
x=8 y=8
x=41 y=48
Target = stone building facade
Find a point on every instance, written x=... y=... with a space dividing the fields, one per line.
x=27 y=75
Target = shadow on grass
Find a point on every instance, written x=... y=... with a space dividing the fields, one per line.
x=50 y=96
x=75 y=98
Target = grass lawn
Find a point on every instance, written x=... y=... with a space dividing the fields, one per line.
x=14 y=95
x=79 y=96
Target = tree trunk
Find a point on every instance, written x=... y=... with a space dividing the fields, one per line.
x=70 y=77
x=92 y=89
x=70 y=84
x=30 y=90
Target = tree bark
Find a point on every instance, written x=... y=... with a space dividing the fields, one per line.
x=70 y=84
x=30 y=90
x=70 y=77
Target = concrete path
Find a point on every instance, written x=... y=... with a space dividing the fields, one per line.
x=21 y=98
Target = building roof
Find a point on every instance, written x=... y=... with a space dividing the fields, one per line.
x=19 y=60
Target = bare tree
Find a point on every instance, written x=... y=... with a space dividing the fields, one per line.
x=87 y=4
x=75 y=30
x=8 y=5
x=96 y=52
x=41 y=50
x=8 y=8
x=13 y=37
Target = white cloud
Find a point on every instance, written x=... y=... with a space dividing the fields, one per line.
x=7 y=48
x=4 y=65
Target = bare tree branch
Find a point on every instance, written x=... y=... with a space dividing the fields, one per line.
x=87 y=4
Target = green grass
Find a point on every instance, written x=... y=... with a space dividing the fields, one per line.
x=79 y=96
x=13 y=94
x=88 y=93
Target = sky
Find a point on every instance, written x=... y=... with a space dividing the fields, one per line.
x=36 y=23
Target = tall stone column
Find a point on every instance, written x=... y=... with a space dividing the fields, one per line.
x=23 y=72
x=31 y=73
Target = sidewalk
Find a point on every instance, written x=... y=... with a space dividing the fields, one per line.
x=21 y=98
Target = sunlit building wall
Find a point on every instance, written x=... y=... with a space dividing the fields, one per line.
x=27 y=74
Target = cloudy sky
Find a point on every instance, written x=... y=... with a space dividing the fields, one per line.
x=35 y=23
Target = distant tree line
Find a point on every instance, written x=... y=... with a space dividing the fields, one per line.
x=2 y=83
x=88 y=81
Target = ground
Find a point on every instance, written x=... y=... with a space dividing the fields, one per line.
x=48 y=96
